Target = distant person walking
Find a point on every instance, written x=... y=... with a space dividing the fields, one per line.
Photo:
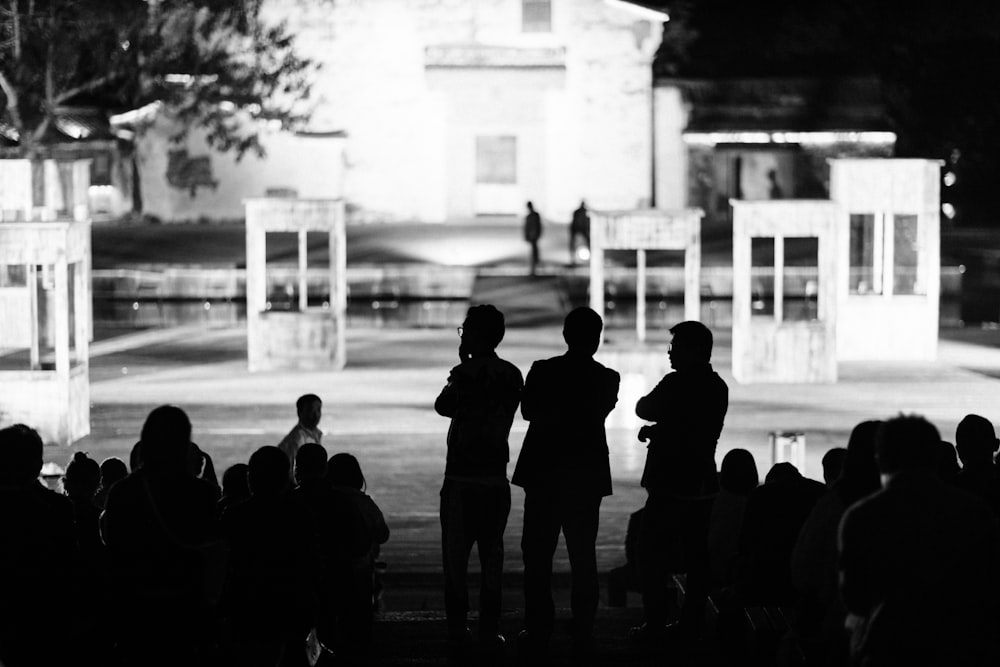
x=564 y=470
x=688 y=408
x=480 y=398
x=310 y=409
x=532 y=233
x=579 y=227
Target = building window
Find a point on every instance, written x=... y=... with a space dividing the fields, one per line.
x=762 y=276
x=800 y=287
x=864 y=278
x=496 y=160
x=885 y=254
x=905 y=256
x=536 y=15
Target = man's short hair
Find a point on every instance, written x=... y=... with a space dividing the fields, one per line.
x=488 y=323
x=305 y=400
x=166 y=437
x=696 y=337
x=582 y=329
x=833 y=464
x=310 y=462
x=267 y=472
x=20 y=454
x=905 y=442
x=975 y=439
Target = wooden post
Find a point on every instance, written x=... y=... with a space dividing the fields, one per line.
x=692 y=270
x=303 y=265
x=62 y=318
x=640 y=295
x=338 y=283
x=34 y=357
x=597 y=266
x=779 y=279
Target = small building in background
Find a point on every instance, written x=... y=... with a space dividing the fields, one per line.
x=187 y=180
x=77 y=133
x=754 y=139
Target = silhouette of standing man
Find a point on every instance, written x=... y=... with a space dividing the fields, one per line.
x=579 y=227
x=688 y=408
x=481 y=397
x=533 y=232
x=563 y=468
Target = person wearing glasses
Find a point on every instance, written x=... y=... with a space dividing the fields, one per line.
x=480 y=398
x=687 y=408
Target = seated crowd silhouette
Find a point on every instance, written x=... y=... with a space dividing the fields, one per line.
x=893 y=560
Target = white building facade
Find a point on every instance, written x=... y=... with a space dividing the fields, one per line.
x=453 y=109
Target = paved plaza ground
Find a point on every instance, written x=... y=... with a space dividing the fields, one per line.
x=380 y=409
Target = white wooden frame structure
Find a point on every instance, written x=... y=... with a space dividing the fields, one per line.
x=768 y=348
x=309 y=338
x=642 y=230
x=885 y=322
x=52 y=394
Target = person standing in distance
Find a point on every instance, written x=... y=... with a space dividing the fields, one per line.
x=687 y=408
x=579 y=227
x=309 y=408
x=480 y=398
x=532 y=233
x=564 y=470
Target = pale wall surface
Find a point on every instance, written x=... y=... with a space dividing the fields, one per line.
x=411 y=128
x=311 y=166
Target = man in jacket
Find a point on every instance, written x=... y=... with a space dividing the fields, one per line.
x=564 y=470
x=481 y=398
x=688 y=408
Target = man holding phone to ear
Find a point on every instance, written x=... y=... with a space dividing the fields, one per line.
x=481 y=398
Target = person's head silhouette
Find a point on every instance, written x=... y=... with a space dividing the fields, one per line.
x=83 y=476
x=582 y=331
x=738 y=472
x=20 y=455
x=344 y=470
x=310 y=409
x=690 y=346
x=482 y=331
x=165 y=440
x=976 y=441
x=782 y=473
x=112 y=470
x=833 y=464
x=268 y=472
x=859 y=476
x=310 y=462
x=906 y=442
x=235 y=482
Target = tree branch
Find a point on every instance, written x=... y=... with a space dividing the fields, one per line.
x=15 y=10
x=93 y=84
x=12 y=103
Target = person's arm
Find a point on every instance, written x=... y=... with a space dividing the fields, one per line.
x=609 y=397
x=381 y=528
x=447 y=401
x=650 y=407
x=531 y=394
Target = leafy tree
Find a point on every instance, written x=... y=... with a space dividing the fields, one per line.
x=213 y=63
